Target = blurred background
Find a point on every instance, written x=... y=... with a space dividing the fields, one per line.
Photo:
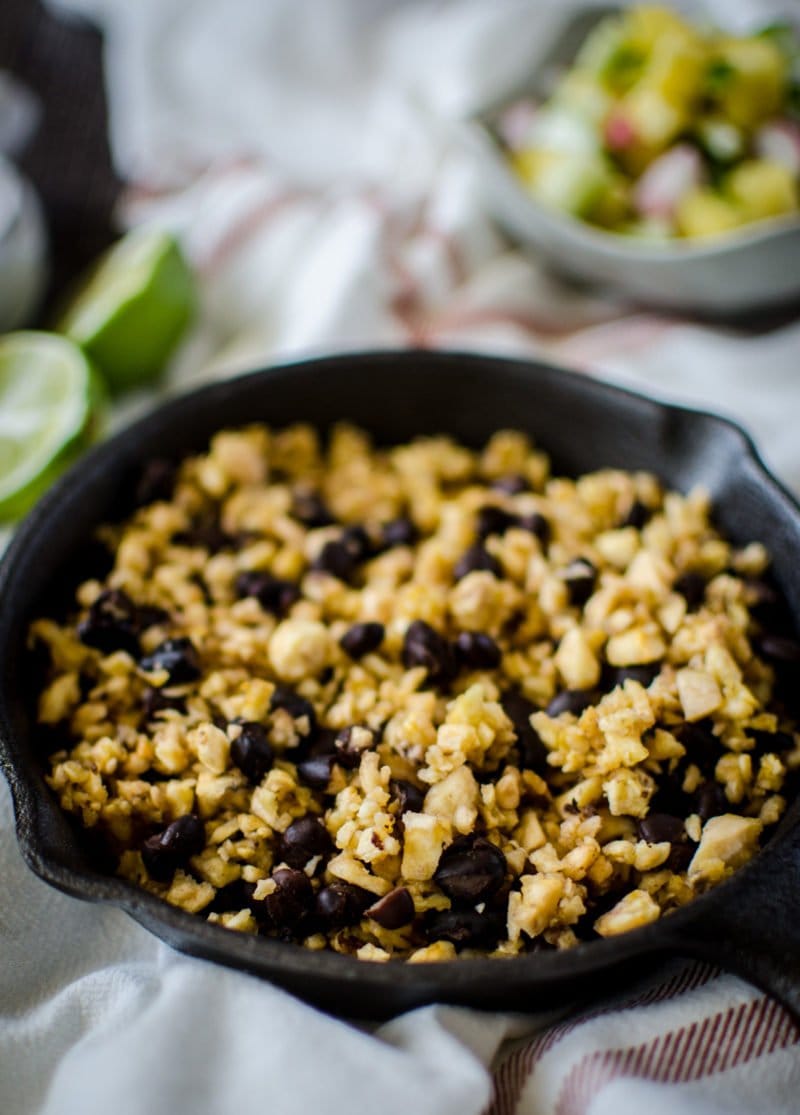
x=347 y=175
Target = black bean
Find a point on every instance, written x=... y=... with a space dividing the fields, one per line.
x=580 y=577
x=322 y=742
x=680 y=856
x=409 y=797
x=310 y=508
x=518 y=709
x=298 y=708
x=292 y=898
x=779 y=649
x=424 y=646
x=702 y=746
x=305 y=838
x=273 y=593
x=205 y=535
x=670 y=796
x=771 y=742
x=477 y=651
x=341 y=904
x=150 y=616
x=644 y=674
x=465 y=928
x=394 y=910
x=85 y=685
x=656 y=828
x=476 y=559
x=336 y=558
x=350 y=744
x=362 y=638
x=316 y=770
x=471 y=873
x=154 y=700
x=711 y=801
x=156 y=482
x=112 y=624
x=511 y=485
x=692 y=587
x=357 y=542
x=171 y=848
x=399 y=532
x=783 y=654
x=766 y=604
x=234 y=896
x=197 y=579
x=493 y=520
x=572 y=700
x=536 y=524
x=638 y=515
x=251 y=582
x=251 y=751
x=178 y=657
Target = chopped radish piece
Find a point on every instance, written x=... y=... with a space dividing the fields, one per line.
x=779 y=141
x=619 y=132
x=666 y=180
x=516 y=124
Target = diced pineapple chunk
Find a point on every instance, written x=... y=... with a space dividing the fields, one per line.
x=763 y=189
x=601 y=47
x=580 y=93
x=646 y=24
x=655 y=121
x=703 y=213
x=571 y=182
x=756 y=85
x=677 y=67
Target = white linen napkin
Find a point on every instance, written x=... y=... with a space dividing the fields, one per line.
x=304 y=153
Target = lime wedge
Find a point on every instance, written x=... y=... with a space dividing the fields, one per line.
x=133 y=308
x=48 y=396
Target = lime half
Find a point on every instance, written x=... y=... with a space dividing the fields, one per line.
x=133 y=308
x=48 y=395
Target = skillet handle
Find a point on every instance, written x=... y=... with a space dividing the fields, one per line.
x=754 y=931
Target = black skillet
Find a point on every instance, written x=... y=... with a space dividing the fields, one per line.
x=750 y=924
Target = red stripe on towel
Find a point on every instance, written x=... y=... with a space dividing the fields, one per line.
x=511 y=1074
x=705 y=1047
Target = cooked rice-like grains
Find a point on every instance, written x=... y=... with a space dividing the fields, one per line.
x=419 y=701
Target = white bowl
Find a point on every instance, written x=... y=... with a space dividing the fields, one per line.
x=746 y=270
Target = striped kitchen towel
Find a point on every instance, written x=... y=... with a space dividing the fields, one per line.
x=717 y=1043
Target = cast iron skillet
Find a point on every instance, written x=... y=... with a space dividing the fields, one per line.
x=750 y=924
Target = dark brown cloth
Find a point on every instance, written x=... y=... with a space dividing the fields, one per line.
x=68 y=158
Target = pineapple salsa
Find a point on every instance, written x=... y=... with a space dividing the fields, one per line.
x=661 y=129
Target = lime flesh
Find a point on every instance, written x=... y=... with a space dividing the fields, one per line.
x=133 y=309
x=47 y=395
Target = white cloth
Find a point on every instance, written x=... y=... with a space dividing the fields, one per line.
x=304 y=152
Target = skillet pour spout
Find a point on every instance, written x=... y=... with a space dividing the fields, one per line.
x=749 y=924
x=755 y=933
